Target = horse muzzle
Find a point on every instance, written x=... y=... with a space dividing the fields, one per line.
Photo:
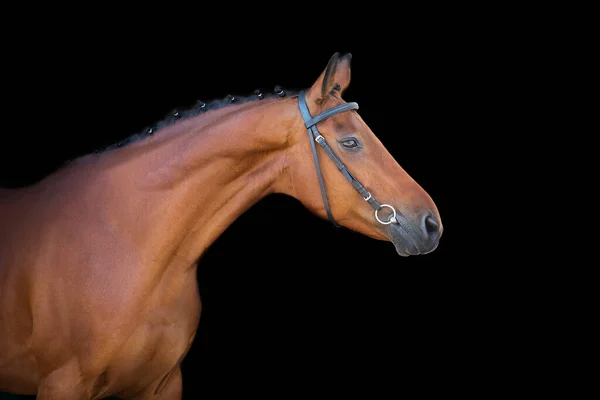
x=414 y=238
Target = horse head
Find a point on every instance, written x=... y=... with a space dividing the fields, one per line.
x=343 y=172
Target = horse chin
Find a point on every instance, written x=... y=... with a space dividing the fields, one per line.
x=404 y=250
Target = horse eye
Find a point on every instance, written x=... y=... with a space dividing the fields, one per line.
x=350 y=143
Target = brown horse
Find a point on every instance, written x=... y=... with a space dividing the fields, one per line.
x=98 y=289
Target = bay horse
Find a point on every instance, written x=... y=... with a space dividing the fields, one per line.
x=98 y=288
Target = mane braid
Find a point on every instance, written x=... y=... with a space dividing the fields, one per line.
x=199 y=108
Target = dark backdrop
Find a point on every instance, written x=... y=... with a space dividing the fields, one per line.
x=291 y=304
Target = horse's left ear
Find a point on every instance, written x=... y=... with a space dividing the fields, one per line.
x=335 y=77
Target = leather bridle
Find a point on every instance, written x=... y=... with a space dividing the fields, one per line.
x=311 y=124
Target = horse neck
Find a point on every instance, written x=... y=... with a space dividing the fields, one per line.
x=193 y=180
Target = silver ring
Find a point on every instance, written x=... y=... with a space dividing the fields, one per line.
x=392 y=218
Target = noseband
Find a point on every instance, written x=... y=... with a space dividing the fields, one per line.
x=314 y=136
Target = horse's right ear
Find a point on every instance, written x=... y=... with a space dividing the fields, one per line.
x=335 y=77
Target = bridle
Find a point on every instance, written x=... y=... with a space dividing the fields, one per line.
x=313 y=133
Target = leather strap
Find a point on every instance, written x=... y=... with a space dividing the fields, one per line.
x=326 y=114
x=314 y=136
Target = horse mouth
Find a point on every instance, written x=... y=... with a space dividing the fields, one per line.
x=403 y=241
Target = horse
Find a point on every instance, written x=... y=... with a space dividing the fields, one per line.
x=98 y=288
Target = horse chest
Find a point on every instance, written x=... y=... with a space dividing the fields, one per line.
x=159 y=341
x=155 y=347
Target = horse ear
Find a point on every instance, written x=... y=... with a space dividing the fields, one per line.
x=335 y=77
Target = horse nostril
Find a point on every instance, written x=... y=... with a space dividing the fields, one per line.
x=431 y=227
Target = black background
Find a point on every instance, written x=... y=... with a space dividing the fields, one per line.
x=292 y=305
